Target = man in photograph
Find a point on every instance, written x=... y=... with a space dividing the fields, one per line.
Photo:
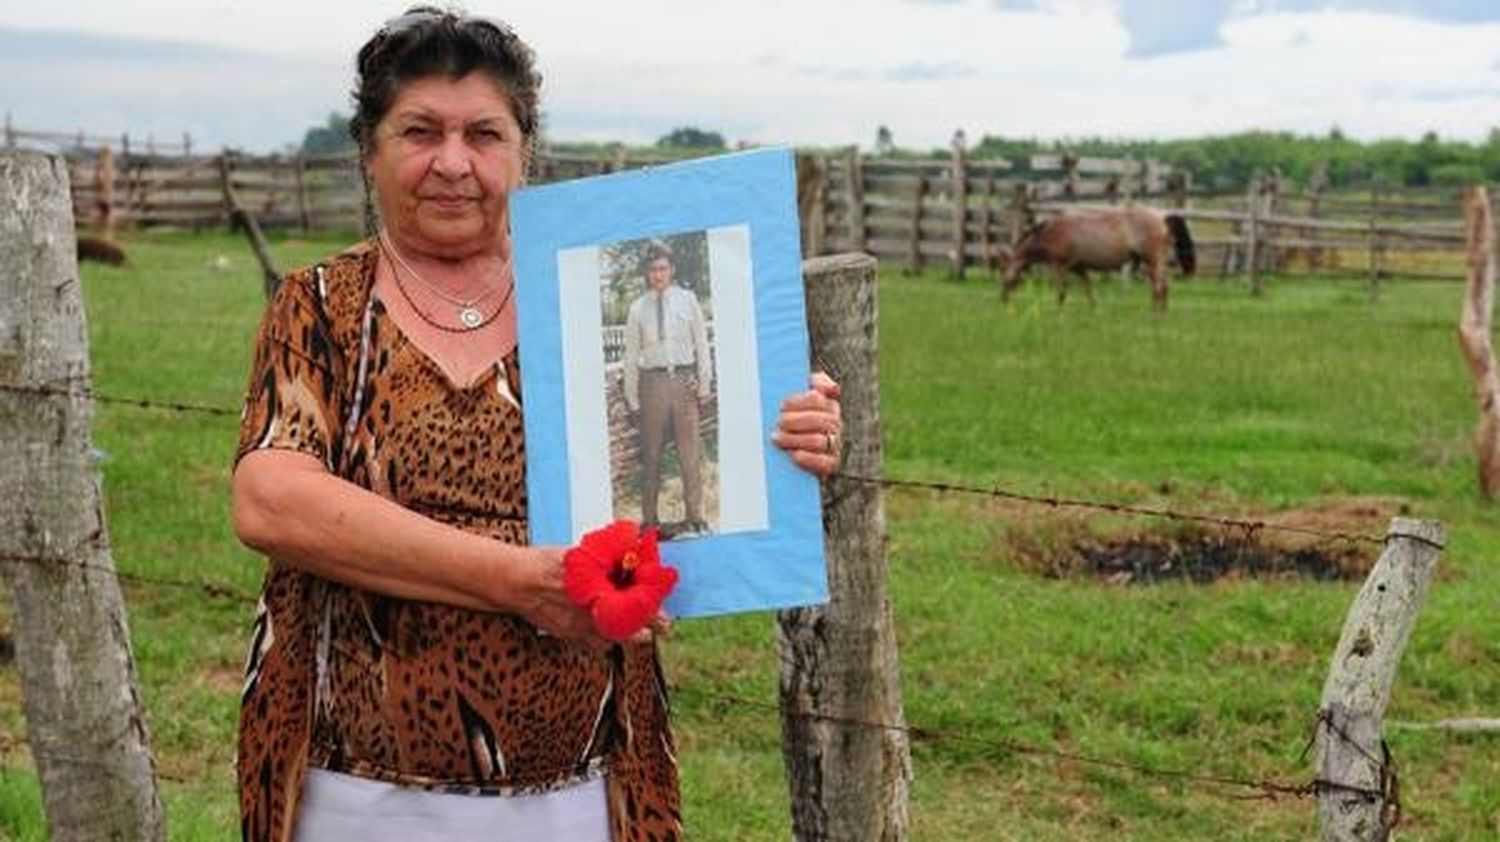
x=668 y=371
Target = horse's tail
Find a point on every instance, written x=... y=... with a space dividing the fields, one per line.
x=1182 y=241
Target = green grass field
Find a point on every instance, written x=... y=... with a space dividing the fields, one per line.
x=1310 y=397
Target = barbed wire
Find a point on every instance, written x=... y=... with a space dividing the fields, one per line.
x=217 y=590
x=140 y=403
x=1264 y=788
x=1267 y=787
x=1388 y=794
x=1248 y=526
x=10 y=745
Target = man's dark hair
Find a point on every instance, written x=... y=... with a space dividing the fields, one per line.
x=657 y=250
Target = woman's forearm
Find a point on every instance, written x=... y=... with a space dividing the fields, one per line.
x=288 y=507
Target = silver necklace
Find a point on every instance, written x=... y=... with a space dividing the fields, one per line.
x=469 y=314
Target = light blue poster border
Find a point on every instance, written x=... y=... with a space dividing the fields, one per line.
x=775 y=567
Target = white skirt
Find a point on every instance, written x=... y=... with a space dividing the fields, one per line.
x=341 y=808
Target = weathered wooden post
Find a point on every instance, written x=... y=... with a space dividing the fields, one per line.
x=304 y=217
x=987 y=225
x=960 y=198
x=1474 y=336
x=838 y=662
x=243 y=219
x=1182 y=183
x=1252 y=231
x=1377 y=250
x=812 y=173
x=859 y=235
x=1020 y=210
x=84 y=720
x=1271 y=255
x=1070 y=177
x=1317 y=182
x=104 y=187
x=1358 y=802
x=914 y=259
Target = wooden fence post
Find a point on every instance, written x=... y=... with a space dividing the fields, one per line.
x=304 y=217
x=1252 y=232
x=1181 y=188
x=1317 y=182
x=1377 y=244
x=960 y=197
x=987 y=226
x=859 y=235
x=84 y=720
x=1474 y=336
x=838 y=662
x=811 y=193
x=242 y=218
x=1020 y=211
x=914 y=260
x=1270 y=255
x=1070 y=177
x=1358 y=801
x=104 y=186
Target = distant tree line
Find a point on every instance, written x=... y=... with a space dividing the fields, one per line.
x=1225 y=161
x=1230 y=160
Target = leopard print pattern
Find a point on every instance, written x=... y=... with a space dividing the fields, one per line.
x=409 y=692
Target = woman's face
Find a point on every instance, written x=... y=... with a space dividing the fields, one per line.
x=445 y=158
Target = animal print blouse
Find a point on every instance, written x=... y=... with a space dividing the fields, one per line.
x=412 y=692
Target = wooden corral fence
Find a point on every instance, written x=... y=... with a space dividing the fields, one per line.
x=119 y=182
x=949 y=211
x=67 y=143
x=1375 y=231
x=956 y=211
x=908 y=212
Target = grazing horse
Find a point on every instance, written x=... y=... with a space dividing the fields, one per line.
x=1079 y=240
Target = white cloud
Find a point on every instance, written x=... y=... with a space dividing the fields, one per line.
x=805 y=71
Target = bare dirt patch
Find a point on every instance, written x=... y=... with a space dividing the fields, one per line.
x=1122 y=550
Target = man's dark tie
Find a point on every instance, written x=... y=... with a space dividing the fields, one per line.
x=661 y=320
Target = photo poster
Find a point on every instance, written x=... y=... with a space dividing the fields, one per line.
x=661 y=323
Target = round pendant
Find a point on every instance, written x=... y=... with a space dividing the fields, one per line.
x=471 y=317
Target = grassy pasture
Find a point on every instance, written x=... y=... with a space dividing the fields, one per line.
x=1312 y=396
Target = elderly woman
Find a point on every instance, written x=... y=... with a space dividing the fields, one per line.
x=416 y=670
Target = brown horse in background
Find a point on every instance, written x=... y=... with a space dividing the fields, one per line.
x=1076 y=241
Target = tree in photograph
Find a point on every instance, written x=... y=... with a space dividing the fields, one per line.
x=689 y=137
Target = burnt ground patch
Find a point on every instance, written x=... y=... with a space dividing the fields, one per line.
x=1207 y=558
x=1130 y=551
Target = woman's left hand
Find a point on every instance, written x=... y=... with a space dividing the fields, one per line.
x=809 y=428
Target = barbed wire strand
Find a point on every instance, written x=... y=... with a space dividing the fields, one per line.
x=217 y=590
x=1248 y=526
x=10 y=745
x=140 y=403
x=1267 y=788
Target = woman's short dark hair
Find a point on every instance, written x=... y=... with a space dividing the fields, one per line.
x=426 y=41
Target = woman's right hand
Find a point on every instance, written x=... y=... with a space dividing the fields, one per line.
x=540 y=600
x=537 y=595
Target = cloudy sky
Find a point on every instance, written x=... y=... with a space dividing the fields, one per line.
x=256 y=75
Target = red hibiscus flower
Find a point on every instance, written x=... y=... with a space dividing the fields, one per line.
x=616 y=573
